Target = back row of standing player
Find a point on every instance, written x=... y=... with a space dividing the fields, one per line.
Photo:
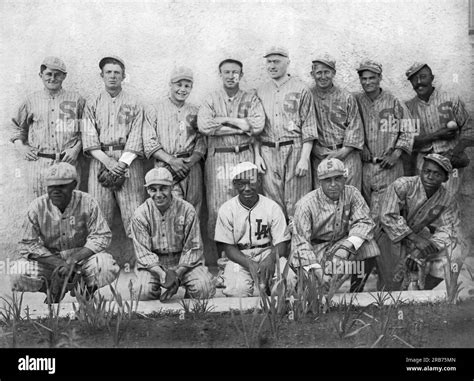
x=284 y=127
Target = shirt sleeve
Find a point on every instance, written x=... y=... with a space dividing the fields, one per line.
x=447 y=227
x=134 y=142
x=393 y=223
x=20 y=124
x=192 y=246
x=224 y=231
x=206 y=118
x=256 y=115
x=301 y=247
x=406 y=137
x=151 y=141
x=463 y=120
x=354 y=133
x=141 y=237
x=360 y=224
x=90 y=135
x=100 y=236
x=309 y=127
x=279 y=230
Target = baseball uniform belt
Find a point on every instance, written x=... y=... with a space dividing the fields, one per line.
x=248 y=246
x=277 y=144
x=53 y=156
x=183 y=155
x=317 y=241
x=166 y=254
x=235 y=149
x=334 y=146
x=373 y=160
x=112 y=147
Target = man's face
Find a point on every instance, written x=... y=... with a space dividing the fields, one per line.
x=370 y=81
x=231 y=73
x=60 y=195
x=179 y=91
x=160 y=194
x=52 y=79
x=432 y=176
x=333 y=186
x=323 y=75
x=422 y=82
x=277 y=66
x=247 y=188
x=113 y=76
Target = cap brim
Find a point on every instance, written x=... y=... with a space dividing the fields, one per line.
x=331 y=174
x=59 y=182
x=371 y=69
x=177 y=79
x=54 y=67
x=415 y=71
x=275 y=54
x=162 y=182
x=324 y=63
x=432 y=159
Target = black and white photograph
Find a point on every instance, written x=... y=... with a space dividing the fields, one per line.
x=237 y=174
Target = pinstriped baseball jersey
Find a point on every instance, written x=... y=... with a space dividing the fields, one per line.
x=263 y=224
x=46 y=231
x=155 y=235
x=245 y=104
x=319 y=222
x=338 y=118
x=439 y=211
x=441 y=108
x=50 y=123
x=386 y=123
x=113 y=121
x=175 y=127
x=289 y=111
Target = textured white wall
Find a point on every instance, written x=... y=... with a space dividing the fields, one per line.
x=154 y=36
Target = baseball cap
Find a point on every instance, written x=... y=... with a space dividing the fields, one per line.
x=441 y=160
x=280 y=50
x=327 y=60
x=370 y=65
x=415 y=68
x=157 y=176
x=102 y=63
x=61 y=173
x=180 y=73
x=244 y=170
x=330 y=168
x=54 y=63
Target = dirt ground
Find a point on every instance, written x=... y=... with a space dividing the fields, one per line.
x=437 y=325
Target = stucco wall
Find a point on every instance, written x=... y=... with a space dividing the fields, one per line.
x=154 y=36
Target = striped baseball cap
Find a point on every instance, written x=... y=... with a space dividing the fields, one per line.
x=415 y=68
x=327 y=60
x=441 y=160
x=370 y=65
x=244 y=170
x=60 y=174
x=330 y=168
x=180 y=73
x=54 y=63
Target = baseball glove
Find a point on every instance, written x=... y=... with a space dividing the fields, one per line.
x=176 y=178
x=171 y=284
x=459 y=160
x=109 y=180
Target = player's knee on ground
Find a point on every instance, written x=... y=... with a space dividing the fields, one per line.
x=26 y=276
x=147 y=285
x=199 y=283
x=237 y=281
x=100 y=270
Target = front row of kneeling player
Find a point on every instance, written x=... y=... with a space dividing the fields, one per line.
x=65 y=236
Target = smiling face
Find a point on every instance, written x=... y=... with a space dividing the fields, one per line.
x=370 y=81
x=333 y=186
x=422 y=82
x=179 y=91
x=231 y=74
x=247 y=189
x=52 y=79
x=60 y=195
x=113 y=76
x=323 y=75
x=277 y=66
x=161 y=195
x=432 y=176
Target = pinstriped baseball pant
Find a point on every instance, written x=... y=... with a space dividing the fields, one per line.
x=198 y=282
x=375 y=181
x=219 y=187
x=36 y=171
x=98 y=270
x=280 y=182
x=190 y=188
x=353 y=165
x=128 y=198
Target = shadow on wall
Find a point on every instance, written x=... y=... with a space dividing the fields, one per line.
x=122 y=247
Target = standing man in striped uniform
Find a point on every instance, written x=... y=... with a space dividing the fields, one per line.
x=388 y=131
x=64 y=231
x=230 y=118
x=168 y=243
x=340 y=131
x=284 y=147
x=445 y=125
x=46 y=128
x=332 y=225
x=113 y=137
x=175 y=139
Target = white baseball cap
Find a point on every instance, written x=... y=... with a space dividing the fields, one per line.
x=244 y=170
